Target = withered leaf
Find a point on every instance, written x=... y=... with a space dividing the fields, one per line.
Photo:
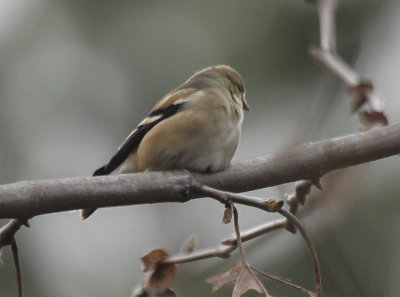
x=359 y=93
x=159 y=280
x=373 y=119
x=238 y=275
x=159 y=276
x=245 y=282
x=223 y=278
x=227 y=215
x=151 y=259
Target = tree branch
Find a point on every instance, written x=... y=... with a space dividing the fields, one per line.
x=366 y=101
x=308 y=161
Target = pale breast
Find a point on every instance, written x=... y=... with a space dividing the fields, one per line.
x=190 y=140
x=217 y=154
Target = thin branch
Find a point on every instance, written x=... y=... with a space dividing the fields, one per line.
x=220 y=252
x=229 y=243
x=327 y=51
x=285 y=282
x=311 y=248
x=336 y=65
x=8 y=231
x=226 y=198
x=307 y=161
x=17 y=267
x=303 y=188
x=239 y=240
x=7 y=237
x=245 y=262
x=366 y=101
x=256 y=231
x=327 y=25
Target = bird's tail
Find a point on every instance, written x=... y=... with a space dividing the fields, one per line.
x=85 y=213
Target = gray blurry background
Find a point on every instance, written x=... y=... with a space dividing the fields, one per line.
x=77 y=76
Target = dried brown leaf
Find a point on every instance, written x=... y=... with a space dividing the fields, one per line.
x=151 y=259
x=227 y=218
x=159 y=276
x=360 y=93
x=238 y=275
x=372 y=120
x=245 y=282
x=159 y=280
x=227 y=277
x=285 y=282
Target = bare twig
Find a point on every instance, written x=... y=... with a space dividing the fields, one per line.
x=229 y=243
x=17 y=267
x=285 y=282
x=220 y=252
x=311 y=248
x=256 y=231
x=327 y=24
x=8 y=231
x=303 y=188
x=245 y=262
x=336 y=65
x=365 y=99
x=239 y=240
x=7 y=237
x=227 y=198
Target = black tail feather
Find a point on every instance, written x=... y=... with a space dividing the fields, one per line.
x=101 y=171
x=85 y=213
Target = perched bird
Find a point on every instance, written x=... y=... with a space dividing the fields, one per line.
x=195 y=127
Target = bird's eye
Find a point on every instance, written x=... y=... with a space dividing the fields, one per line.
x=240 y=88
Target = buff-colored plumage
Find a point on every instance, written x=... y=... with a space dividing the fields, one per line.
x=196 y=127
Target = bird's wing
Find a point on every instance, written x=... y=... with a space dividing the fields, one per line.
x=169 y=105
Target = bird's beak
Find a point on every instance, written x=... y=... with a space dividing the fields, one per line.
x=245 y=105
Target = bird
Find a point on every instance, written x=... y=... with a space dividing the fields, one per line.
x=196 y=127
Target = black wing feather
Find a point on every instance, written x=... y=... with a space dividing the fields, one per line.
x=134 y=140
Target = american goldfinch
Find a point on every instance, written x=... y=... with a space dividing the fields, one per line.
x=195 y=127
